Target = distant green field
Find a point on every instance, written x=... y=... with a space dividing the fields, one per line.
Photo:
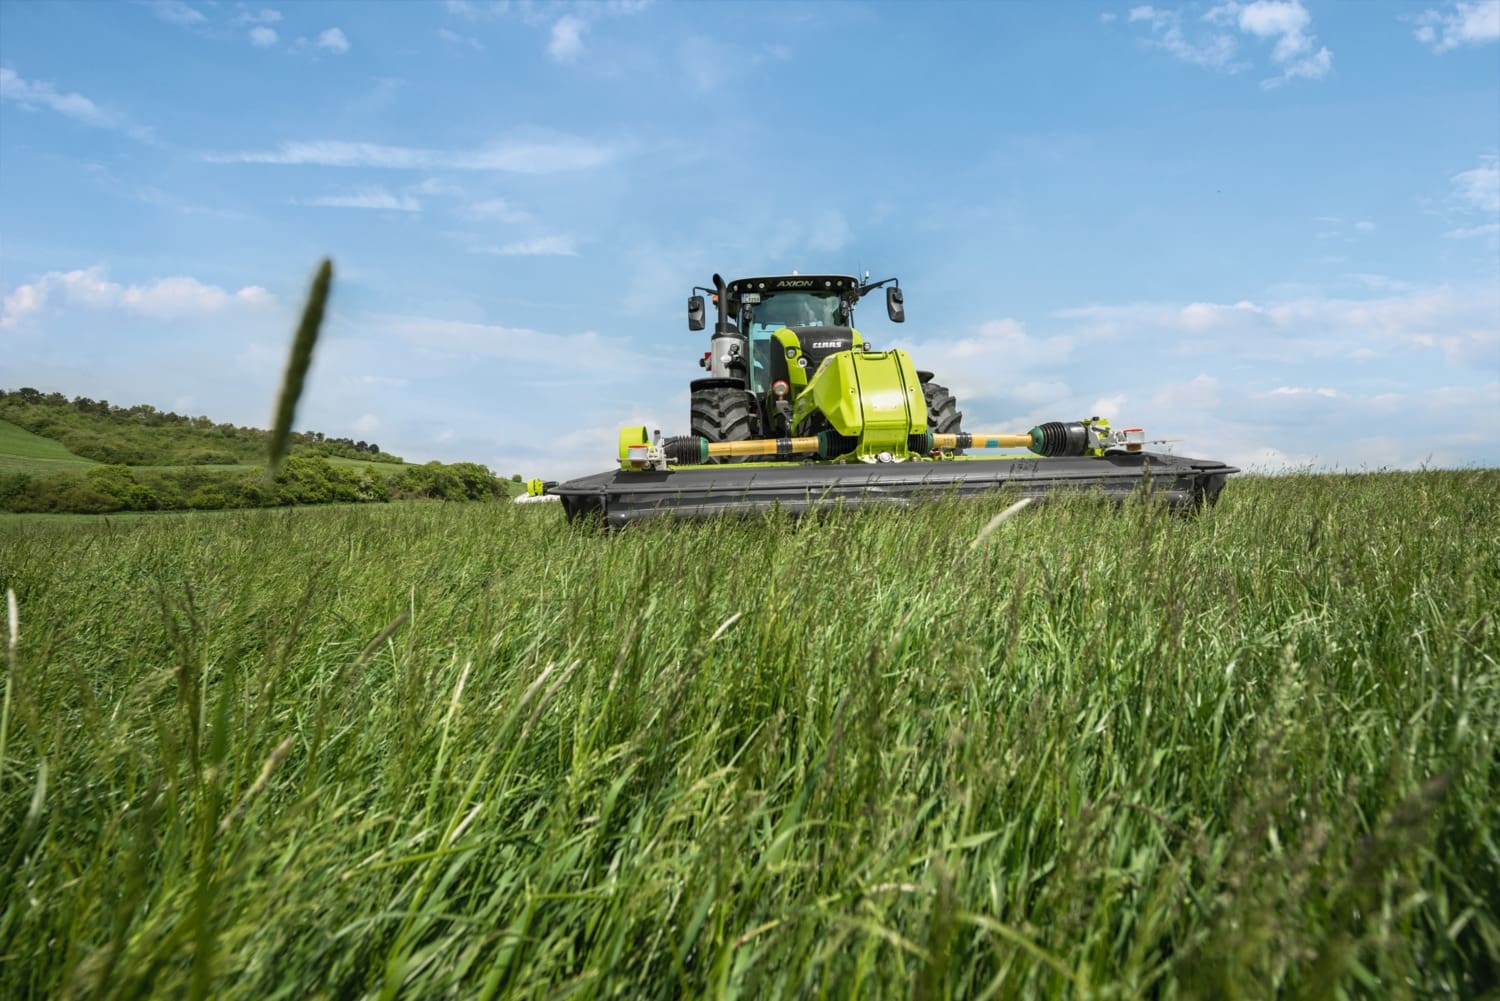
x=24 y=452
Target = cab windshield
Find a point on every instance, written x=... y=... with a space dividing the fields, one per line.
x=785 y=309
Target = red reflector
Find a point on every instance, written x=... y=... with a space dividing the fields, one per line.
x=779 y=389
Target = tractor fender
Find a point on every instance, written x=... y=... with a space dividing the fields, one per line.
x=700 y=384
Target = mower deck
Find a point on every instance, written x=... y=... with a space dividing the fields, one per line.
x=622 y=496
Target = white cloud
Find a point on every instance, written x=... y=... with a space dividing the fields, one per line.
x=462 y=8
x=334 y=41
x=1198 y=317
x=366 y=424
x=1471 y=232
x=1296 y=427
x=1335 y=228
x=497 y=210
x=262 y=37
x=546 y=246
x=437 y=186
x=1214 y=50
x=1284 y=22
x=384 y=383
x=1381 y=283
x=1473 y=203
x=263 y=16
x=36 y=94
x=1288 y=23
x=521 y=157
x=1109 y=407
x=1462 y=23
x=1461 y=325
x=567 y=38
x=176 y=12
x=165 y=299
x=1313 y=67
x=1479 y=189
x=997 y=361
x=1277 y=428
x=368 y=198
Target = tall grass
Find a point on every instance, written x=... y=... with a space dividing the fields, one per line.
x=466 y=751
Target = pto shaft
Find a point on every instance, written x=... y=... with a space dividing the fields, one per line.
x=969 y=440
x=763 y=447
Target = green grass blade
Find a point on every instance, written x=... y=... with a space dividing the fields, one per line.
x=297 y=364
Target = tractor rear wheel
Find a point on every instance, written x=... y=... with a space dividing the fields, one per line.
x=723 y=414
x=943 y=415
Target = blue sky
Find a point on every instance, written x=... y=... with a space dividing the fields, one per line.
x=1267 y=231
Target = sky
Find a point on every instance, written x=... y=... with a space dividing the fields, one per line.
x=1266 y=232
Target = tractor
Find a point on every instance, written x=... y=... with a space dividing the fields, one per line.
x=771 y=338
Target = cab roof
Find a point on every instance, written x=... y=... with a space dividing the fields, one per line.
x=772 y=284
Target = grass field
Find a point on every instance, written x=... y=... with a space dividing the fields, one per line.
x=439 y=751
x=24 y=452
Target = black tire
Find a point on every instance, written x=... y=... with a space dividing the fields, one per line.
x=943 y=415
x=723 y=414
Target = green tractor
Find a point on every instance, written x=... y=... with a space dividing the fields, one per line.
x=797 y=412
x=767 y=377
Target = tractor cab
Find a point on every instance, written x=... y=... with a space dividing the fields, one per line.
x=816 y=308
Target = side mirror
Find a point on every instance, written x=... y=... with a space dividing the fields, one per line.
x=695 y=313
x=894 y=307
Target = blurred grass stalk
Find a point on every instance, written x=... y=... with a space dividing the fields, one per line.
x=297 y=364
x=13 y=639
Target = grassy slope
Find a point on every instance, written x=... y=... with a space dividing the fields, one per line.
x=148 y=441
x=461 y=750
x=24 y=452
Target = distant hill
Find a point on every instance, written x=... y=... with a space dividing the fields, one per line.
x=89 y=456
x=141 y=435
